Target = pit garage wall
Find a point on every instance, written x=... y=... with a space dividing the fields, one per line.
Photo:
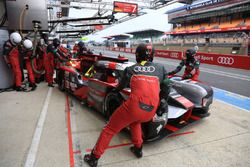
x=226 y=60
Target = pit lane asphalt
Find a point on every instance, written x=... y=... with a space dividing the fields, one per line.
x=71 y=129
x=221 y=140
x=229 y=79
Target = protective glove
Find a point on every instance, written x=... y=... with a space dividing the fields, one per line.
x=188 y=76
x=171 y=73
x=163 y=107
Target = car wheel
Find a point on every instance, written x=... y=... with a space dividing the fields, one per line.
x=60 y=80
x=111 y=102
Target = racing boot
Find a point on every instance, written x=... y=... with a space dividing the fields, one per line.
x=91 y=160
x=37 y=80
x=19 y=89
x=33 y=86
x=51 y=85
x=137 y=151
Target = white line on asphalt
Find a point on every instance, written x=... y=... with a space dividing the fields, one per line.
x=31 y=157
x=231 y=75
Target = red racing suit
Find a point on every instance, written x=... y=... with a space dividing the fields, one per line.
x=62 y=56
x=75 y=50
x=30 y=71
x=12 y=54
x=144 y=80
x=192 y=70
x=39 y=62
x=49 y=63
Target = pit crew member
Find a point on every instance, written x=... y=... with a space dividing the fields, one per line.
x=192 y=70
x=11 y=52
x=144 y=78
x=28 y=47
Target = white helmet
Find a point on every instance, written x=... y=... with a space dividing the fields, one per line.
x=28 y=44
x=15 y=38
x=196 y=48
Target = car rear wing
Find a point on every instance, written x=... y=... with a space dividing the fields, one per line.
x=95 y=57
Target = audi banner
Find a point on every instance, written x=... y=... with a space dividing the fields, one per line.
x=226 y=60
x=168 y=54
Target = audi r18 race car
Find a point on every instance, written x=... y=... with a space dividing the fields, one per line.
x=93 y=78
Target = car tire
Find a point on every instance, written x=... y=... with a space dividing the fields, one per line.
x=60 y=80
x=111 y=102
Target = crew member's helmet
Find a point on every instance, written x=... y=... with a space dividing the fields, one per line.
x=80 y=44
x=15 y=38
x=56 y=42
x=190 y=53
x=151 y=52
x=28 y=44
x=144 y=52
x=196 y=48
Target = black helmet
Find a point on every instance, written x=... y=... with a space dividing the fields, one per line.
x=144 y=53
x=56 y=42
x=80 y=44
x=151 y=52
x=190 y=53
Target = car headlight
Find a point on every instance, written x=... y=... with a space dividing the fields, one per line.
x=205 y=102
x=162 y=118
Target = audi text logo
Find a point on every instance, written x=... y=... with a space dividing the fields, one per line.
x=174 y=54
x=225 y=60
x=144 y=68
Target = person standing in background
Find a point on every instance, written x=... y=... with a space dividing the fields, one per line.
x=49 y=58
x=11 y=55
x=28 y=47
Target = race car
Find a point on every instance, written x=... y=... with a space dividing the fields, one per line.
x=197 y=92
x=94 y=77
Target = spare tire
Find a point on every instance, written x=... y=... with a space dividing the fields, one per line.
x=33 y=66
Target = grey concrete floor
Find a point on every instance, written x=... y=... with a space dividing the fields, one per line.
x=222 y=140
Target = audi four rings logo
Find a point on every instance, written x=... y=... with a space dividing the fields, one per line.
x=225 y=60
x=144 y=68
